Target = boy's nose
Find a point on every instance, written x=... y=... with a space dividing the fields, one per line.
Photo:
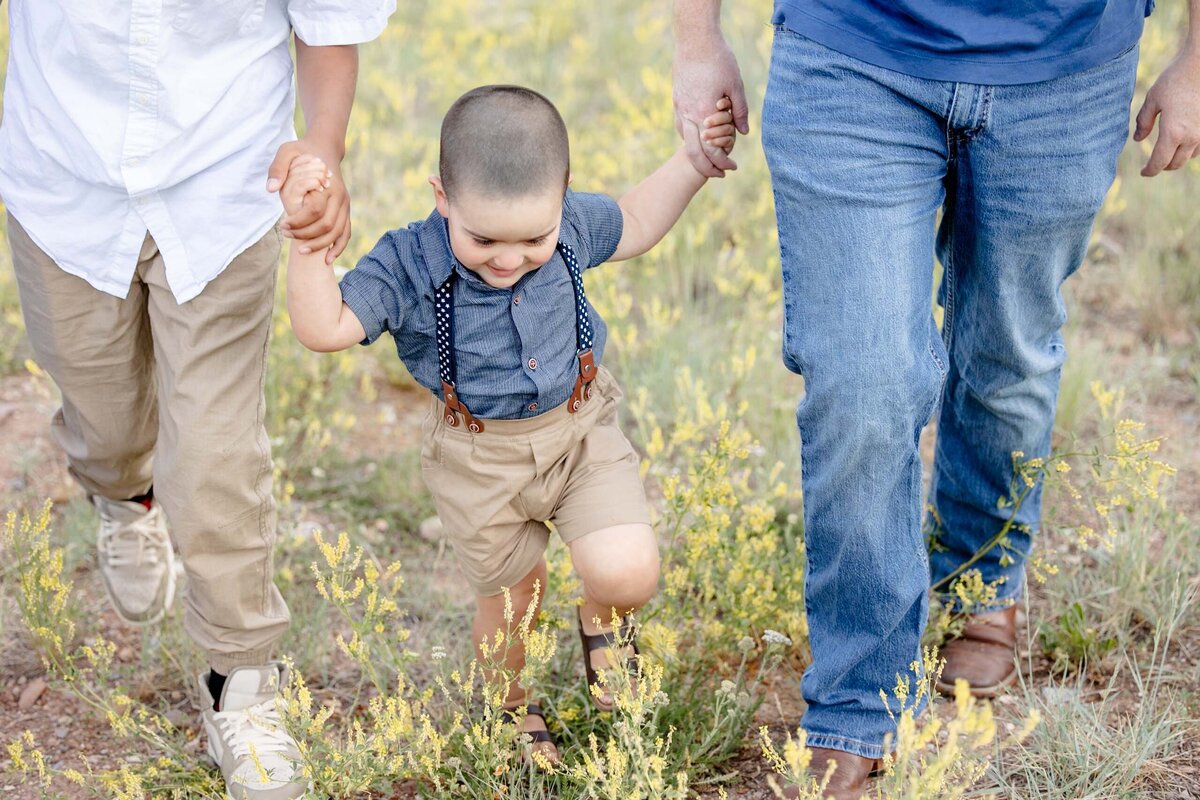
x=509 y=260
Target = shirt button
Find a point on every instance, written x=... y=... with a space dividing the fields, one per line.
x=532 y=363
x=517 y=300
x=533 y=406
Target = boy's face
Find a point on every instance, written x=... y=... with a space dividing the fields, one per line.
x=501 y=239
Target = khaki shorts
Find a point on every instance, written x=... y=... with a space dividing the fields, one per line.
x=496 y=490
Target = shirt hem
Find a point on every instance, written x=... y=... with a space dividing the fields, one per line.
x=942 y=67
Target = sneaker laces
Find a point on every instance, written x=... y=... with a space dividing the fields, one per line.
x=135 y=543
x=258 y=725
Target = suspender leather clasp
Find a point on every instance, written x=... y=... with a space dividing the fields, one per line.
x=454 y=407
x=583 y=381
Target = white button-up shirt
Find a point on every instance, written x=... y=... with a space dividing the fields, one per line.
x=128 y=116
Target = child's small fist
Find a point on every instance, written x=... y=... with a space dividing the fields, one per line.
x=306 y=174
x=719 y=130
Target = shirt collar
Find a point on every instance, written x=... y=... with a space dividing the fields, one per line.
x=434 y=236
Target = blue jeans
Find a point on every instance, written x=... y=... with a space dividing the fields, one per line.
x=862 y=159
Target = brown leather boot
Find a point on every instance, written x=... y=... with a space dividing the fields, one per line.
x=984 y=655
x=848 y=781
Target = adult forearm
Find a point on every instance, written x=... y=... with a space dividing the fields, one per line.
x=652 y=207
x=696 y=23
x=325 y=79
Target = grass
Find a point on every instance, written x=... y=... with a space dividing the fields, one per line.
x=695 y=339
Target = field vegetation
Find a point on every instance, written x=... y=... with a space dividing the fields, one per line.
x=385 y=699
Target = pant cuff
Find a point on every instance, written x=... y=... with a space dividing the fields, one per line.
x=224 y=663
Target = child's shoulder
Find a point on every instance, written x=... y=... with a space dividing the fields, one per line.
x=409 y=249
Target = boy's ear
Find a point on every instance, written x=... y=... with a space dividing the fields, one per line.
x=439 y=196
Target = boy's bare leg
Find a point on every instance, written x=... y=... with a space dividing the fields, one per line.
x=619 y=568
x=489 y=618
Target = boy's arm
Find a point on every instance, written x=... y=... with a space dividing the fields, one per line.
x=320 y=319
x=654 y=205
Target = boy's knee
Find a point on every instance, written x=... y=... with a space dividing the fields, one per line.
x=627 y=584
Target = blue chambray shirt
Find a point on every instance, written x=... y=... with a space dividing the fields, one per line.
x=515 y=347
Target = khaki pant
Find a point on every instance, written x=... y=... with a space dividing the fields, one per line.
x=171 y=396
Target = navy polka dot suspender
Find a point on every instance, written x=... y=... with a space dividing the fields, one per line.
x=444 y=322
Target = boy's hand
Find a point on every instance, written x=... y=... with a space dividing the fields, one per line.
x=719 y=129
x=307 y=176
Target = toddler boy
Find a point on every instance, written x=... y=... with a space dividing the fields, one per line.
x=486 y=303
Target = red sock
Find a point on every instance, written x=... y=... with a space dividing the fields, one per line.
x=146 y=499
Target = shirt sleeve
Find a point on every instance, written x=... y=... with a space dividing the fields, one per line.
x=378 y=290
x=322 y=23
x=596 y=222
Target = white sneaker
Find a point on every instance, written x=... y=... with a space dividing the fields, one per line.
x=136 y=559
x=246 y=738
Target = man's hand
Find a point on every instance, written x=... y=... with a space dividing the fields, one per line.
x=705 y=71
x=1175 y=97
x=323 y=220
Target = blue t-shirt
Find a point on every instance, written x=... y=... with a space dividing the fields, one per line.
x=515 y=348
x=972 y=41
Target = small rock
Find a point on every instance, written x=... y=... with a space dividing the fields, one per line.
x=62 y=493
x=430 y=529
x=33 y=690
x=125 y=654
x=60 y=732
x=177 y=717
x=1059 y=696
x=176 y=696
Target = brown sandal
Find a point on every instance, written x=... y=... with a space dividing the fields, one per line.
x=514 y=716
x=600 y=641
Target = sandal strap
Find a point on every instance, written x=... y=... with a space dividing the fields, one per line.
x=597 y=641
x=531 y=710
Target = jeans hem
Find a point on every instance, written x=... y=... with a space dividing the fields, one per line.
x=1003 y=601
x=845 y=744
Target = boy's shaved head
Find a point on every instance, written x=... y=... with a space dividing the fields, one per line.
x=503 y=141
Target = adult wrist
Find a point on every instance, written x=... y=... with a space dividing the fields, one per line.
x=327 y=142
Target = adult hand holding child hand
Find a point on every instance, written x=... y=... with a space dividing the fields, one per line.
x=323 y=221
x=308 y=180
